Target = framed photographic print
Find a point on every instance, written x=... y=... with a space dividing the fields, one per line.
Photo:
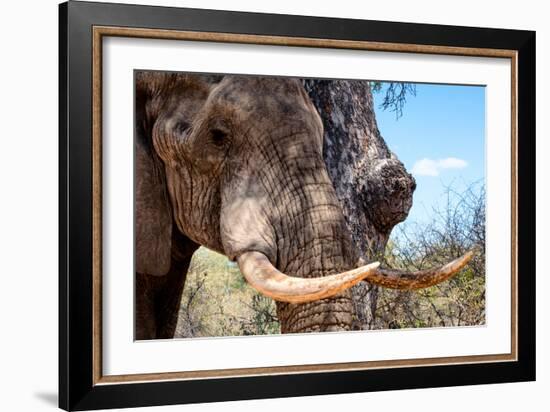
x=256 y=205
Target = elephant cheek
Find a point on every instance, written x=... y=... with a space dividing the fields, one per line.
x=244 y=228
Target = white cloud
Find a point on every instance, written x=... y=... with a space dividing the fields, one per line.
x=425 y=167
x=452 y=163
x=431 y=167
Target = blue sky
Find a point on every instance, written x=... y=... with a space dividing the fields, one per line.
x=441 y=140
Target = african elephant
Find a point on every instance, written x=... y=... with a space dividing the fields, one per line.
x=235 y=164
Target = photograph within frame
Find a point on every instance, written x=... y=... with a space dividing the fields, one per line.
x=217 y=300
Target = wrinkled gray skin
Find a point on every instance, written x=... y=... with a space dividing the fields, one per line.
x=235 y=166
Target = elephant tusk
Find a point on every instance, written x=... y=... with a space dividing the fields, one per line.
x=265 y=278
x=398 y=279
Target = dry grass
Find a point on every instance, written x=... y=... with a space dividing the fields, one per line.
x=217 y=301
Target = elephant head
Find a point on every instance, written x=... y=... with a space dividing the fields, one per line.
x=237 y=166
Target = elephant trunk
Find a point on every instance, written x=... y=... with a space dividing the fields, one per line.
x=283 y=224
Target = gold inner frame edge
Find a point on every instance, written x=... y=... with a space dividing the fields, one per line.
x=98 y=32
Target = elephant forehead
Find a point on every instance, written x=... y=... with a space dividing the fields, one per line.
x=260 y=93
x=260 y=83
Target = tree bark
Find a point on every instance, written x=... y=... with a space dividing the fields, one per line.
x=373 y=186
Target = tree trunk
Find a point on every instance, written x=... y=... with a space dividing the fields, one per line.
x=372 y=185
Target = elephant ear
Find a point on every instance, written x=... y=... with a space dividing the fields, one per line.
x=153 y=215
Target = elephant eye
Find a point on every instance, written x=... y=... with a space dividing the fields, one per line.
x=218 y=137
x=182 y=127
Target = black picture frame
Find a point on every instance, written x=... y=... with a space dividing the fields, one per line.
x=77 y=390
